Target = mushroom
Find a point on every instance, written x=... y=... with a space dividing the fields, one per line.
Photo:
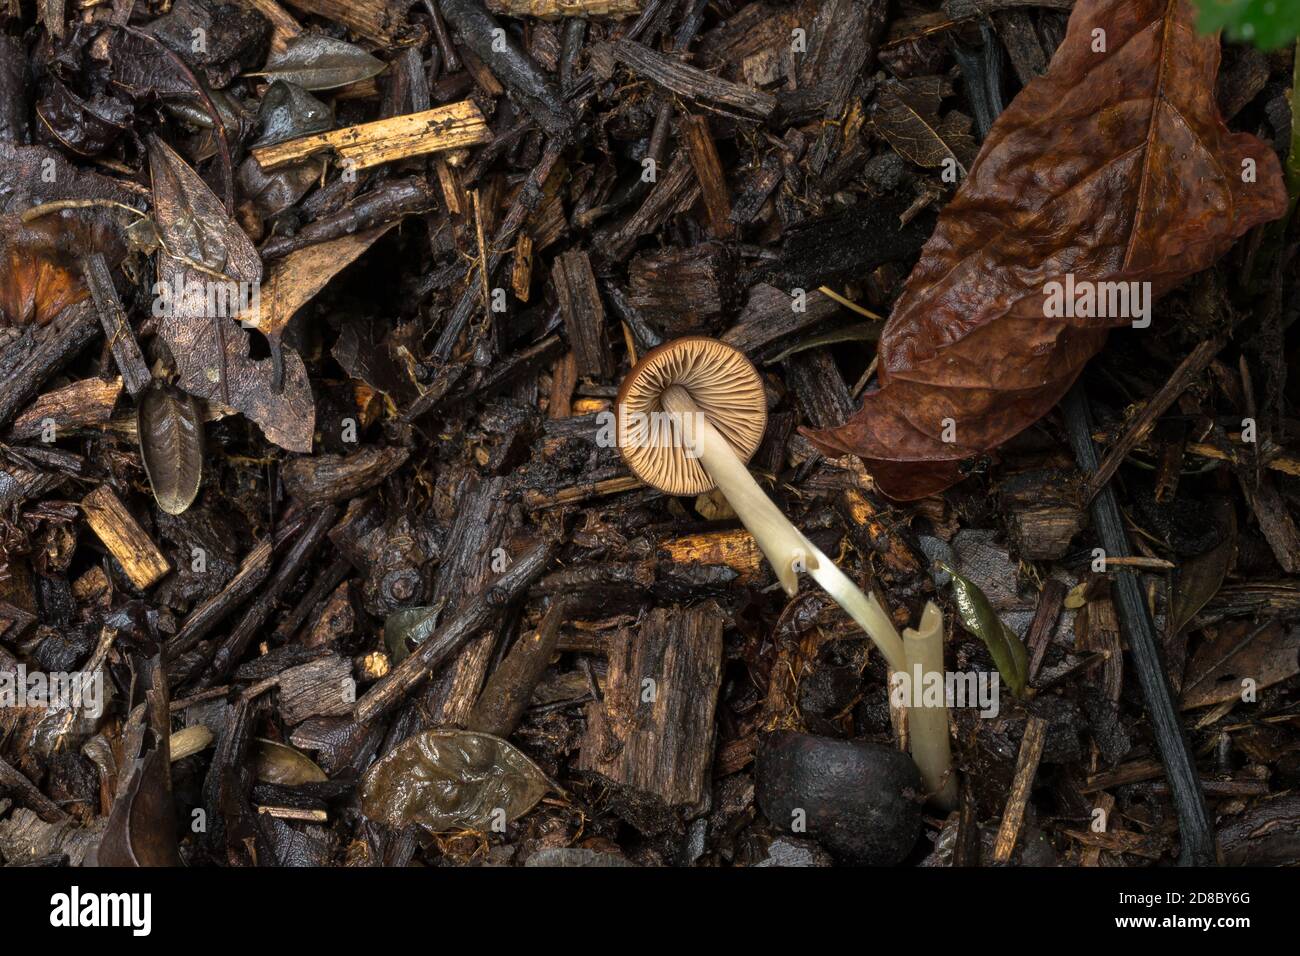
x=690 y=415
x=927 y=718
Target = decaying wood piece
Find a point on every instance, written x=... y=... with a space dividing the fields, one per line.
x=369 y=144
x=771 y=315
x=482 y=526
x=15 y=784
x=320 y=688
x=121 y=337
x=735 y=549
x=1043 y=513
x=708 y=173
x=674 y=192
x=87 y=402
x=253 y=570
x=584 y=315
x=497 y=49
x=653 y=732
x=228 y=651
x=511 y=685
x=686 y=81
x=555 y=9
x=339 y=477
x=134 y=550
x=56 y=345
x=393 y=688
x=382 y=22
x=682 y=291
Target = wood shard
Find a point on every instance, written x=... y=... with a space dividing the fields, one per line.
x=139 y=557
x=584 y=316
x=383 y=141
x=81 y=404
x=1013 y=817
x=654 y=730
x=708 y=172
x=379 y=21
x=694 y=84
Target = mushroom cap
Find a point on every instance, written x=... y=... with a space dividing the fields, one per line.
x=721 y=381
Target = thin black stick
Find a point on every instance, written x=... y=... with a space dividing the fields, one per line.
x=1195 y=827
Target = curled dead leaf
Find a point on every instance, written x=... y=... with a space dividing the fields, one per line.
x=1113 y=167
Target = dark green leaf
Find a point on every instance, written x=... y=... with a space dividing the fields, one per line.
x=1266 y=23
x=978 y=617
x=447 y=780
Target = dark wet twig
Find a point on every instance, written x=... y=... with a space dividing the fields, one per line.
x=1194 y=824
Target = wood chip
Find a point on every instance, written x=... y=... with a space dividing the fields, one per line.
x=370 y=144
x=139 y=557
x=1013 y=817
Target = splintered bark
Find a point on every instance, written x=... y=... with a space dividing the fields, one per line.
x=394 y=687
x=57 y=344
x=771 y=315
x=708 y=172
x=139 y=557
x=383 y=141
x=673 y=192
x=686 y=81
x=121 y=338
x=682 y=291
x=320 y=688
x=653 y=732
x=1042 y=511
x=496 y=47
x=380 y=21
x=87 y=402
x=482 y=525
x=584 y=316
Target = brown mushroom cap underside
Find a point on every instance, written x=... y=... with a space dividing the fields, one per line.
x=721 y=381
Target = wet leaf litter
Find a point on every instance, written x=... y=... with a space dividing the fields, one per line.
x=317 y=351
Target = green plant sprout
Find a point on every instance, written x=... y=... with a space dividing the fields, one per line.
x=1269 y=24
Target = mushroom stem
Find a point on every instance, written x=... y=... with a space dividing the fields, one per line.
x=927 y=724
x=784 y=545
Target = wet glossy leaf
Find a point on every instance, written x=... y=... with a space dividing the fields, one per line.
x=321 y=63
x=277 y=763
x=1112 y=167
x=451 y=780
x=204 y=247
x=84 y=126
x=978 y=617
x=289 y=111
x=170 y=430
